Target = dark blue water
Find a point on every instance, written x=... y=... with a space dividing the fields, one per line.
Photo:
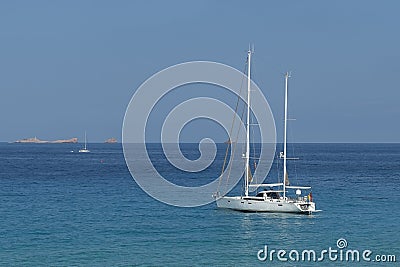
x=68 y=209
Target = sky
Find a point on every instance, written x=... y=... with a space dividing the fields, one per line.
x=72 y=66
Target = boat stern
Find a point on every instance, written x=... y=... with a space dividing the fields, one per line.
x=306 y=207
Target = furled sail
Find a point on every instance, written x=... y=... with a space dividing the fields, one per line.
x=250 y=176
x=287 y=182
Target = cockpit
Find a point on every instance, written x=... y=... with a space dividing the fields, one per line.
x=272 y=194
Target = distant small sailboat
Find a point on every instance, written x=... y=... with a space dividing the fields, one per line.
x=84 y=150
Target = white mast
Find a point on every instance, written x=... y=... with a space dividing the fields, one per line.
x=85 y=140
x=247 y=178
x=284 y=138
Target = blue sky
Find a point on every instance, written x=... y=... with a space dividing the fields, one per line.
x=71 y=66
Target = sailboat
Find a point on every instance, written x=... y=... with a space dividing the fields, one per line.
x=274 y=198
x=84 y=150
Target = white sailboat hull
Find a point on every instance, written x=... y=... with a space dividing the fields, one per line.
x=257 y=204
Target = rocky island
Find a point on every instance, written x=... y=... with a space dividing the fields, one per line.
x=111 y=140
x=38 y=141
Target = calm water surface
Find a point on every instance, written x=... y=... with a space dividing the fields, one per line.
x=68 y=209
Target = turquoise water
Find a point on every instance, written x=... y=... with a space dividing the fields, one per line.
x=67 y=209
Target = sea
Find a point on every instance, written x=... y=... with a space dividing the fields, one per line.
x=63 y=208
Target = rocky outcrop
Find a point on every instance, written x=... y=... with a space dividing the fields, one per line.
x=38 y=141
x=72 y=140
x=111 y=140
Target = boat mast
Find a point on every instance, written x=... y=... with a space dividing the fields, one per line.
x=85 y=140
x=285 y=136
x=247 y=177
